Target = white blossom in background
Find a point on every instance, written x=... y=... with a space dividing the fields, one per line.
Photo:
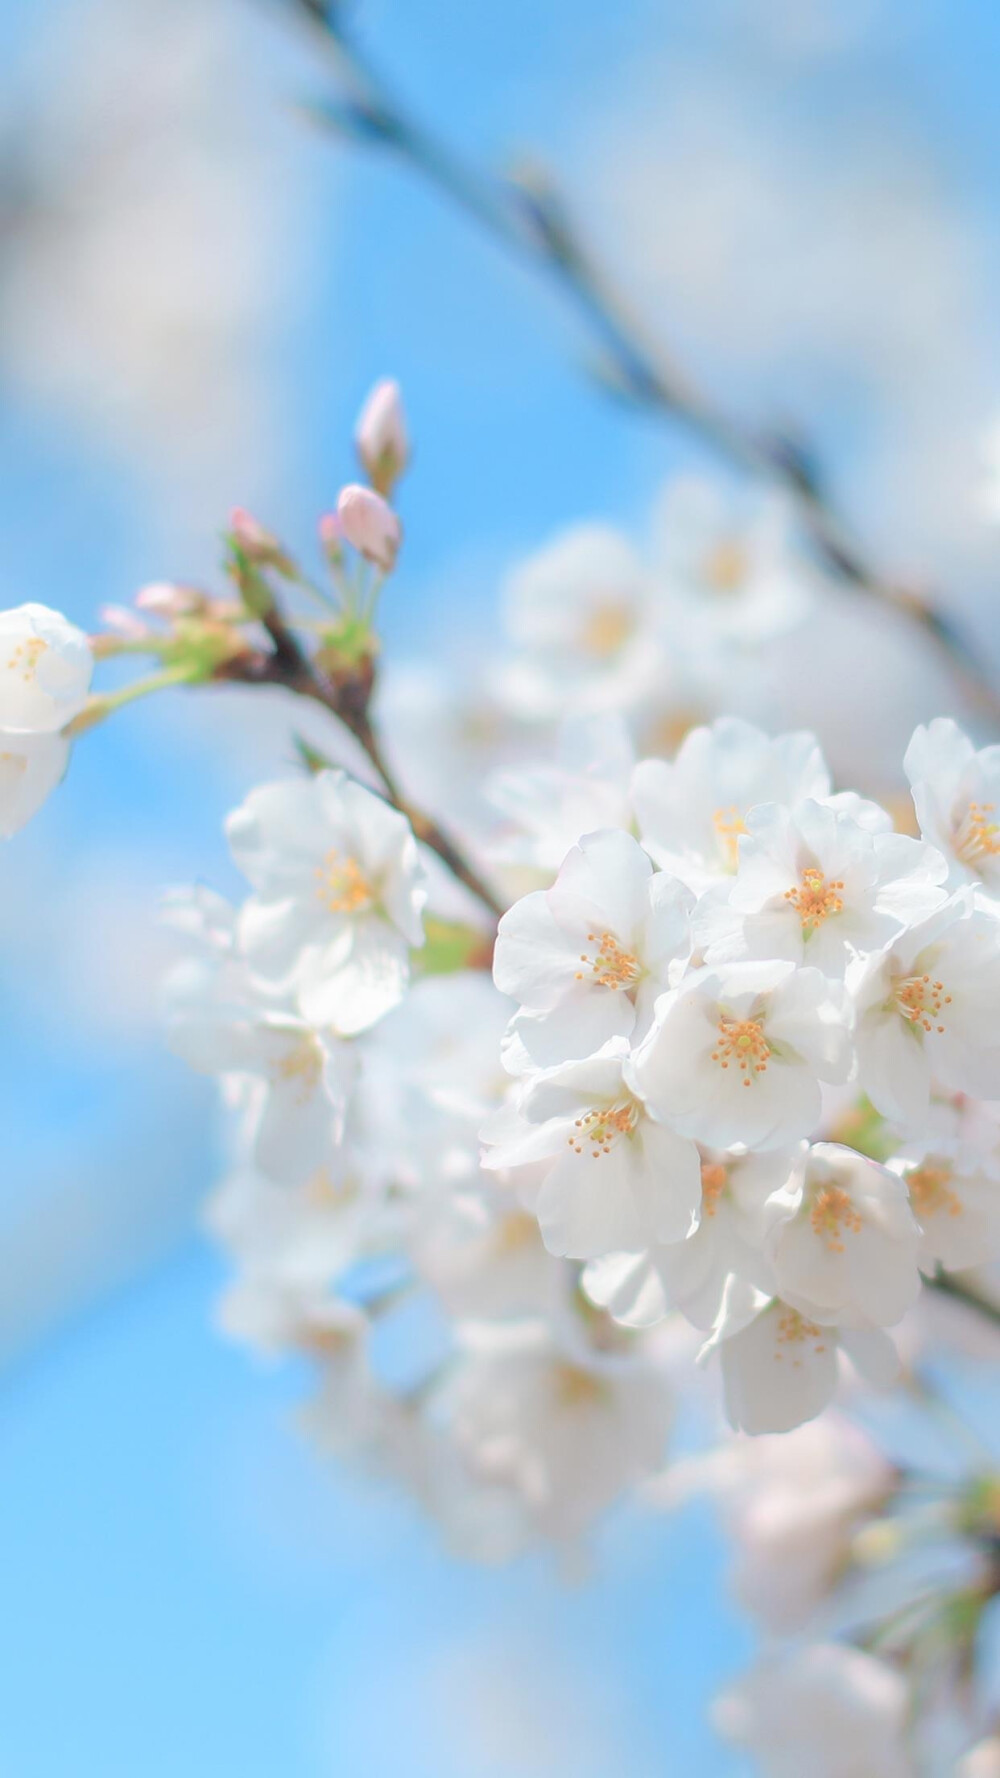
x=584 y=619
x=545 y=808
x=731 y=570
x=828 y=1710
x=338 y=896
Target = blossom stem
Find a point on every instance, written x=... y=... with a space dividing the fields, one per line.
x=104 y=705
x=288 y=665
x=528 y=216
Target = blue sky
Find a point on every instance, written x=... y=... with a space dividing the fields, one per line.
x=185 y=1591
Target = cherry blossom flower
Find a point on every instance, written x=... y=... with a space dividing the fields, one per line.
x=956 y=792
x=927 y=1011
x=815 y=886
x=828 y=1710
x=692 y=810
x=617 y=1180
x=737 y=1054
x=45 y=669
x=586 y=958
x=845 y=1249
x=639 y=1289
x=31 y=767
x=565 y=1427
x=583 y=617
x=731 y=571
x=792 y=1504
x=338 y=897
x=953 y=1181
x=779 y=1365
x=303 y=1080
x=547 y=807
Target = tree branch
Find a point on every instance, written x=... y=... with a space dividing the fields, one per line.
x=528 y=217
x=347 y=697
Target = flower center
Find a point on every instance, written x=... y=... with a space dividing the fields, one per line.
x=724 y=567
x=301 y=1066
x=600 y=1128
x=920 y=999
x=576 y=1388
x=26 y=656
x=930 y=1192
x=342 y=886
x=977 y=835
x=834 y=1215
x=714 y=1178
x=612 y=966
x=729 y=824
x=815 y=899
x=606 y=629
x=326 y=1193
x=742 y=1041
x=794 y=1330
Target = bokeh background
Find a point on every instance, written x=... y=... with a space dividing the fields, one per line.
x=197 y=288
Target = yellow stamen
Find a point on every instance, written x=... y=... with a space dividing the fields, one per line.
x=600 y=1128
x=814 y=899
x=342 y=886
x=729 y=824
x=920 y=1000
x=742 y=1041
x=611 y=965
x=833 y=1216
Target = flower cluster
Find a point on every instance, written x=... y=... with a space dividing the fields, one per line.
x=635 y=1062
x=705 y=994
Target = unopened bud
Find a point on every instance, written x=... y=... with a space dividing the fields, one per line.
x=381 y=437
x=164 y=599
x=121 y=621
x=331 y=538
x=369 y=524
x=259 y=545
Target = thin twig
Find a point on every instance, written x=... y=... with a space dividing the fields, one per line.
x=287 y=665
x=527 y=215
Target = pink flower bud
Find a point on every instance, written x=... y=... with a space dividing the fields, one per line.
x=164 y=599
x=331 y=537
x=381 y=437
x=370 y=525
x=121 y=621
x=258 y=544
